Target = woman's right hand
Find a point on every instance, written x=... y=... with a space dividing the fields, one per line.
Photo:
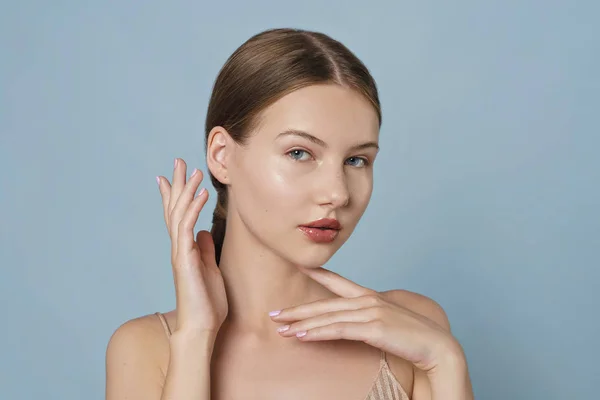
x=199 y=287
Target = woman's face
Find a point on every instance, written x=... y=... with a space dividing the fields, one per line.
x=311 y=157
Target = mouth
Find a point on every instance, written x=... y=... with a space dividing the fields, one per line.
x=325 y=223
x=322 y=231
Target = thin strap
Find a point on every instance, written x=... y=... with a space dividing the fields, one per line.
x=386 y=386
x=383 y=358
x=164 y=323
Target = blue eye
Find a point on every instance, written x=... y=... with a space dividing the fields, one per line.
x=297 y=154
x=303 y=155
x=359 y=160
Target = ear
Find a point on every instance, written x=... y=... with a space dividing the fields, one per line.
x=219 y=147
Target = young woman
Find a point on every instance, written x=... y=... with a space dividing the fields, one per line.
x=291 y=139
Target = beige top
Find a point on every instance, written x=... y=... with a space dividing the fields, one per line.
x=385 y=386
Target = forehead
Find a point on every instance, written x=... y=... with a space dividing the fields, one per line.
x=330 y=112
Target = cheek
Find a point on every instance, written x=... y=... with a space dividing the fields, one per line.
x=271 y=184
x=361 y=189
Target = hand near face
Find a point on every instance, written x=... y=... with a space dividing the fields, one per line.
x=363 y=314
x=199 y=287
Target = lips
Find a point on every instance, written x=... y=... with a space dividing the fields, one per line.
x=325 y=223
x=321 y=231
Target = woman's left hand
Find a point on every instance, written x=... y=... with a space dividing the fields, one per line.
x=363 y=314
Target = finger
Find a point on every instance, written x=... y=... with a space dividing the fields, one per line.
x=319 y=307
x=359 y=331
x=165 y=192
x=207 y=247
x=185 y=198
x=185 y=234
x=362 y=315
x=336 y=283
x=179 y=173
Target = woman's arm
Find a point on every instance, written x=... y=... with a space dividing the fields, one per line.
x=138 y=349
x=449 y=382
x=188 y=376
x=133 y=361
x=407 y=325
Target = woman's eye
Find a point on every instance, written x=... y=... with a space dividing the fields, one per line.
x=298 y=154
x=357 y=162
x=303 y=155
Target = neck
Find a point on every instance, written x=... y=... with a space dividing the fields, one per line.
x=258 y=281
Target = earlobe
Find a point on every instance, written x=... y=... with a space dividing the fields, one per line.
x=217 y=148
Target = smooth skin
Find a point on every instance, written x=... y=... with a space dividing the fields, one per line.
x=311 y=157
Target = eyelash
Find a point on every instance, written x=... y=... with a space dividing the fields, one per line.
x=364 y=160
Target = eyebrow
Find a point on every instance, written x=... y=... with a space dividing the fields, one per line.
x=317 y=141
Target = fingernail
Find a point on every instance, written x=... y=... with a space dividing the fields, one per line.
x=158 y=180
x=300 y=334
x=175 y=164
x=195 y=170
x=274 y=313
x=200 y=192
x=283 y=328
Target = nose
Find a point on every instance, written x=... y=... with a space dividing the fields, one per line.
x=333 y=188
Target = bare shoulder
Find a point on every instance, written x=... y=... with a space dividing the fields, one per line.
x=419 y=304
x=140 y=331
x=137 y=356
x=428 y=308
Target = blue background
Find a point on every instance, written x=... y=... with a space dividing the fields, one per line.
x=486 y=189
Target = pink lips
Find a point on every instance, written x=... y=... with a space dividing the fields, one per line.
x=322 y=231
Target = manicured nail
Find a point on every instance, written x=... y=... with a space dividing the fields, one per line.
x=301 y=333
x=200 y=192
x=158 y=180
x=195 y=170
x=175 y=164
x=283 y=328
x=274 y=313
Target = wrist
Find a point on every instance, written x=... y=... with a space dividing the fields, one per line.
x=452 y=356
x=450 y=378
x=194 y=341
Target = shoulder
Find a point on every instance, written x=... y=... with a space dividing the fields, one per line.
x=137 y=352
x=419 y=304
x=142 y=337
x=144 y=326
x=428 y=308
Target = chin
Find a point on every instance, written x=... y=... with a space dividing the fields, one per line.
x=311 y=263
x=300 y=251
x=313 y=255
